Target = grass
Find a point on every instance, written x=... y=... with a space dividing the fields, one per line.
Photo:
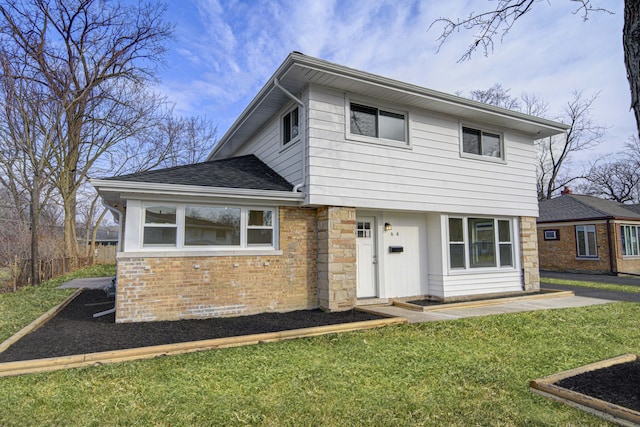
x=464 y=372
x=19 y=309
x=595 y=285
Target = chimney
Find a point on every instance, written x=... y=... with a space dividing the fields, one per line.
x=566 y=190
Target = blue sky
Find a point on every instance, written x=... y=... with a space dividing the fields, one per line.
x=224 y=51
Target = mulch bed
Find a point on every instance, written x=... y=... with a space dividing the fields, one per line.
x=618 y=384
x=75 y=331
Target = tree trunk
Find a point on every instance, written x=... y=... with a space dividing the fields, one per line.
x=35 y=226
x=70 y=242
x=631 y=44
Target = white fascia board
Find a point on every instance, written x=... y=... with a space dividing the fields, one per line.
x=187 y=191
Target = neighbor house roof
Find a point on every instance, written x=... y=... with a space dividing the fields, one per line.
x=575 y=207
x=244 y=176
x=299 y=71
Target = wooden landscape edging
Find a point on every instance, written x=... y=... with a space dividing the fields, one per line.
x=483 y=302
x=609 y=411
x=38 y=322
x=94 y=359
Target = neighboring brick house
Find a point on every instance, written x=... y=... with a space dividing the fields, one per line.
x=587 y=234
x=334 y=188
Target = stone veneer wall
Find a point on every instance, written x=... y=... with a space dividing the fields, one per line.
x=172 y=288
x=337 y=258
x=561 y=254
x=529 y=254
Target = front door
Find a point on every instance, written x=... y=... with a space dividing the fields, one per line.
x=366 y=257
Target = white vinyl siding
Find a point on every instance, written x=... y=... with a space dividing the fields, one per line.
x=429 y=176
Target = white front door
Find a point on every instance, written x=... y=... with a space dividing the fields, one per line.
x=366 y=257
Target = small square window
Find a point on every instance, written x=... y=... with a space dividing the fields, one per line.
x=551 y=235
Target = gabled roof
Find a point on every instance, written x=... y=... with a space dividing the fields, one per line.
x=237 y=172
x=575 y=207
x=299 y=71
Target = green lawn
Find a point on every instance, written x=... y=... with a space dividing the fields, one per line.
x=464 y=372
x=584 y=284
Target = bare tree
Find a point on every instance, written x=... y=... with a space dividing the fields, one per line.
x=555 y=152
x=498 y=21
x=498 y=96
x=614 y=179
x=95 y=58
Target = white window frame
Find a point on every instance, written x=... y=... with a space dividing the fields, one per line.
x=406 y=143
x=630 y=239
x=295 y=138
x=586 y=229
x=180 y=231
x=551 y=234
x=483 y=130
x=514 y=242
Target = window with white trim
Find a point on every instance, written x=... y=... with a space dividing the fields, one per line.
x=480 y=243
x=587 y=246
x=374 y=122
x=290 y=126
x=630 y=240
x=481 y=143
x=187 y=226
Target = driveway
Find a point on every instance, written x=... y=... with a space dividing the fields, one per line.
x=593 y=293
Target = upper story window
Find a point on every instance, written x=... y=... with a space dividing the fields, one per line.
x=183 y=226
x=480 y=143
x=290 y=126
x=377 y=123
x=630 y=240
x=586 y=241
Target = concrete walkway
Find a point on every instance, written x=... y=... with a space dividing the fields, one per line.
x=498 y=308
x=87 y=283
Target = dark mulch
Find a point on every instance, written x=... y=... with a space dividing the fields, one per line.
x=75 y=331
x=428 y=302
x=618 y=384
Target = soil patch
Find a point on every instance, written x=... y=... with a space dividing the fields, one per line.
x=428 y=302
x=616 y=384
x=75 y=331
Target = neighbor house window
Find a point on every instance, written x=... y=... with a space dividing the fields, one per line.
x=552 y=234
x=586 y=241
x=481 y=143
x=630 y=240
x=160 y=227
x=199 y=227
x=377 y=123
x=480 y=243
x=290 y=126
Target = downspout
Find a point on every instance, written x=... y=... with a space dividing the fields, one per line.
x=611 y=269
x=303 y=135
x=114 y=210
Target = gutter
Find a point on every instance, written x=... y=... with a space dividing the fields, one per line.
x=302 y=129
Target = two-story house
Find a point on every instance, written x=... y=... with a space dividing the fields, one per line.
x=334 y=188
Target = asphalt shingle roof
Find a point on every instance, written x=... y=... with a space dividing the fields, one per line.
x=236 y=172
x=578 y=207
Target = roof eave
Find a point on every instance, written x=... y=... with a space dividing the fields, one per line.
x=112 y=187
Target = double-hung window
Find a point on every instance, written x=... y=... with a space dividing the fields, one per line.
x=480 y=243
x=630 y=240
x=480 y=143
x=184 y=226
x=586 y=241
x=377 y=123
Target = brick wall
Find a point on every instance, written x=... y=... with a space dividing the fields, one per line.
x=561 y=255
x=529 y=253
x=337 y=258
x=172 y=288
